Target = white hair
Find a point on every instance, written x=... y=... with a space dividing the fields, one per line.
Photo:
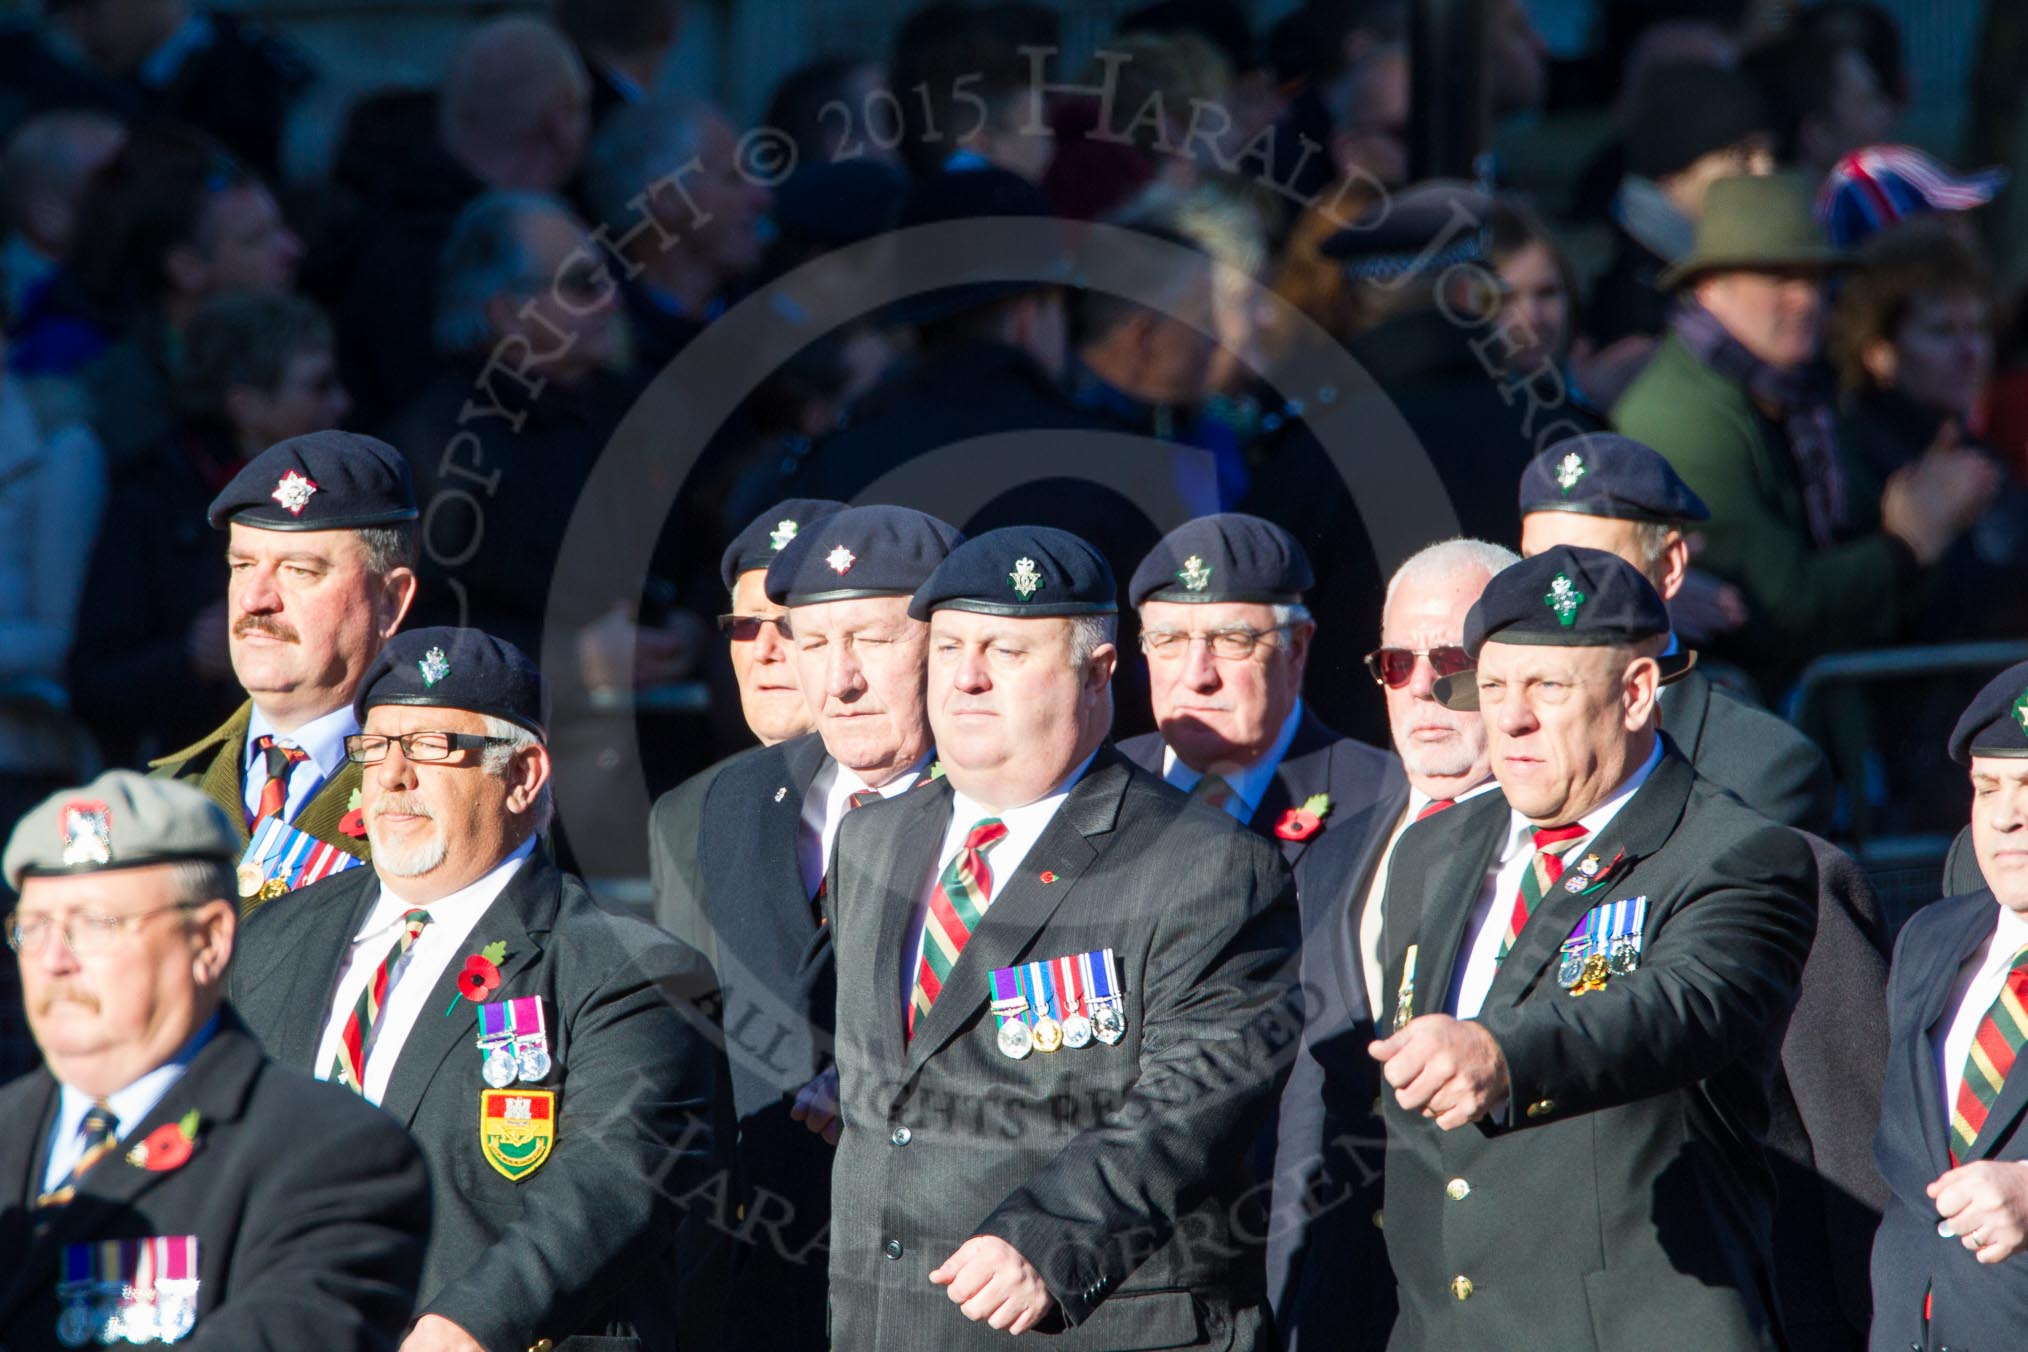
x=496 y=758
x=1089 y=633
x=1447 y=557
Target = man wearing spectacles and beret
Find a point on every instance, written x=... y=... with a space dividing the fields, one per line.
x=1227 y=639
x=1605 y=491
x=1330 y=1142
x=161 y=1181
x=545 y=1051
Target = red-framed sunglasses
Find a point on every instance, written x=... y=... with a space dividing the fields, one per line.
x=1395 y=667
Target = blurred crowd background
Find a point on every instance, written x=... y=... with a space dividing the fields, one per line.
x=225 y=225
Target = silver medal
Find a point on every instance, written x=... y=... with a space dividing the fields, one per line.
x=1015 y=1040
x=534 y=1062
x=1108 y=1022
x=1077 y=1032
x=1626 y=955
x=74 y=1325
x=1571 y=966
x=138 y=1323
x=499 y=1068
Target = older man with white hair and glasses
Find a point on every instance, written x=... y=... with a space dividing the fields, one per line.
x=541 y=1048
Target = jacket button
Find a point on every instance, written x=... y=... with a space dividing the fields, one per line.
x=892 y=1248
x=1542 y=1108
x=1380 y=1220
x=1461 y=1287
x=902 y=1136
x=542 y=1345
x=1457 y=1190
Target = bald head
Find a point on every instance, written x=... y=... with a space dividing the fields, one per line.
x=516 y=104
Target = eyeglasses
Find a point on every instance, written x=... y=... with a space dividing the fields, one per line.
x=1395 y=667
x=1232 y=644
x=368 y=748
x=746 y=628
x=84 y=932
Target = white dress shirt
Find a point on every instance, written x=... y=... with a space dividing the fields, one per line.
x=824 y=808
x=1373 y=915
x=1025 y=825
x=1250 y=785
x=130 y=1107
x=1472 y=978
x=321 y=739
x=1979 y=984
x=446 y=939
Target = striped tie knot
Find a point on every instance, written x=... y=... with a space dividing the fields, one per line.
x=957 y=903
x=1213 y=791
x=100 y=1131
x=1434 y=806
x=1996 y=1045
x=861 y=798
x=280 y=761
x=1551 y=844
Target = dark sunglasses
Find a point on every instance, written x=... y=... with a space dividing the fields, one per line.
x=746 y=628
x=1395 y=667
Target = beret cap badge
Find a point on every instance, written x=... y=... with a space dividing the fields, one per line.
x=1195 y=573
x=1564 y=599
x=2020 y=710
x=1027 y=581
x=841 y=560
x=87 y=833
x=784 y=531
x=1568 y=471
x=293 y=491
x=434 y=666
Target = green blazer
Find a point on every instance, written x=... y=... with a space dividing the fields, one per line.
x=214 y=764
x=1805 y=600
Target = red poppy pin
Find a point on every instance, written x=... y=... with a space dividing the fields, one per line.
x=167 y=1147
x=1048 y=877
x=353 y=823
x=481 y=976
x=1300 y=823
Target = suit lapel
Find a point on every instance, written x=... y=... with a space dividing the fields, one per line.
x=767 y=926
x=225 y=778
x=1640 y=827
x=1343 y=918
x=1304 y=770
x=1918 y=1056
x=1025 y=903
x=525 y=908
x=301 y=946
x=31 y=1104
x=1449 y=894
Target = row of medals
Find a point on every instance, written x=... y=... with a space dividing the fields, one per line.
x=1105 y=1023
x=108 y=1313
x=525 y=1059
x=1580 y=973
x=251 y=884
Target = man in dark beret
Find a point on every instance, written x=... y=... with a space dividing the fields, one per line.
x=1227 y=640
x=1587 y=975
x=1947 y=1270
x=1606 y=491
x=767 y=826
x=216 y=1194
x=1060 y=998
x=320 y=554
x=545 y=1051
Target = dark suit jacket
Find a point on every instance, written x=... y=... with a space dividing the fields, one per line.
x=1975 y=1308
x=1623 y=1199
x=1318 y=761
x=1961 y=873
x=1113 y=1169
x=215 y=765
x=1826 y=1106
x=310 y=1209
x=1772 y=768
x=777 y=997
x=582 y=1245
x=1328 y=1278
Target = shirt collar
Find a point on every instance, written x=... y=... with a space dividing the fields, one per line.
x=134 y=1102
x=1522 y=831
x=1418 y=800
x=1251 y=784
x=476 y=895
x=846 y=780
x=2010 y=936
x=323 y=738
x=190 y=37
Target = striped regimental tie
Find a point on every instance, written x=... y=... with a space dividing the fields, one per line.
x=1550 y=846
x=281 y=762
x=955 y=907
x=350 y=1066
x=1994 y=1048
x=101 y=1133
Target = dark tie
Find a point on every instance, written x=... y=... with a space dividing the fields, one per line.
x=280 y=761
x=101 y=1133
